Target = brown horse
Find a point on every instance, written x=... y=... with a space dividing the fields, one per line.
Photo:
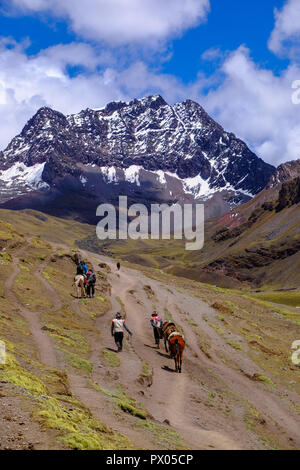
x=167 y=329
x=176 y=346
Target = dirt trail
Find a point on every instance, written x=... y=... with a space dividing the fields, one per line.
x=42 y=340
x=57 y=303
x=169 y=396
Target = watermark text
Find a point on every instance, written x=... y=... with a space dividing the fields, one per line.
x=162 y=223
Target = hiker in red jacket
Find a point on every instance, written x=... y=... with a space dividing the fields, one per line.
x=156 y=322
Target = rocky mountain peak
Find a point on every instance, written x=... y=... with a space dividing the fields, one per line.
x=180 y=148
x=285 y=172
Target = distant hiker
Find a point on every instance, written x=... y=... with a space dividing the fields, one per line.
x=117 y=330
x=91 y=281
x=118 y=266
x=79 y=284
x=156 y=322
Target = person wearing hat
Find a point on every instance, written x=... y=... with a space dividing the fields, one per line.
x=117 y=330
x=156 y=322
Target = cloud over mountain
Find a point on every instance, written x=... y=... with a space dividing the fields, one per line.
x=122 y=21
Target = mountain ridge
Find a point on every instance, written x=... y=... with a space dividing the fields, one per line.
x=178 y=153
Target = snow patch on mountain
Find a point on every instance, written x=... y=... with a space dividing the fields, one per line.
x=131 y=174
x=109 y=173
x=20 y=174
x=198 y=187
x=161 y=176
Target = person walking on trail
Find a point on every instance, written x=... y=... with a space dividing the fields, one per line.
x=118 y=266
x=156 y=322
x=91 y=281
x=117 y=330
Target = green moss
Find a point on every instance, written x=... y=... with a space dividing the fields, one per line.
x=219 y=330
x=192 y=323
x=81 y=431
x=254 y=413
x=12 y=372
x=36 y=242
x=111 y=358
x=294 y=316
x=145 y=371
x=235 y=345
x=163 y=434
x=46 y=275
x=291 y=299
x=125 y=403
x=77 y=361
x=5 y=235
x=68 y=337
x=231 y=305
x=5 y=258
x=263 y=378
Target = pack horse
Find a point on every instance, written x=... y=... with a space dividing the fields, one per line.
x=174 y=343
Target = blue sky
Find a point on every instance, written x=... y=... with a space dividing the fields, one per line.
x=238 y=59
x=229 y=25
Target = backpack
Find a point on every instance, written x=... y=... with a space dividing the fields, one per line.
x=92 y=278
x=79 y=270
x=84 y=268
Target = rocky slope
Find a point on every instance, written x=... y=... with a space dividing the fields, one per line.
x=285 y=172
x=145 y=149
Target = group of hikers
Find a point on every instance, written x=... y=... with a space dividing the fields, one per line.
x=161 y=330
x=119 y=325
x=85 y=280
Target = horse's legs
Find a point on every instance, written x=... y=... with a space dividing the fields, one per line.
x=166 y=347
x=175 y=360
x=82 y=289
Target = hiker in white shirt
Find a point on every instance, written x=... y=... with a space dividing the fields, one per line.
x=117 y=330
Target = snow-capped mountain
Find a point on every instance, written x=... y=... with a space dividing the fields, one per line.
x=145 y=148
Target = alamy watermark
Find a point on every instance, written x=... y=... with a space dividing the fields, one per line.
x=296 y=94
x=162 y=223
x=296 y=352
x=2 y=353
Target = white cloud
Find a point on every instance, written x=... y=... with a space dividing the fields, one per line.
x=257 y=105
x=285 y=38
x=30 y=82
x=250 y=101
x=121 y=21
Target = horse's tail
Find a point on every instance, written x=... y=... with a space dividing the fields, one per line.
x=177 y=346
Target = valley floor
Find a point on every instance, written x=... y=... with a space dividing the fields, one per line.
x=63 y=386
